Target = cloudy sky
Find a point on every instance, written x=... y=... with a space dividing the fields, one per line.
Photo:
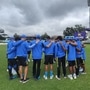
x=40 y=16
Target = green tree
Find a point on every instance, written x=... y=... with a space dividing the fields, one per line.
x=69 y=31
x=44 y=36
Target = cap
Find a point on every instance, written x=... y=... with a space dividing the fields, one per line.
x=38 y=36
x=67 y=38
x=72 y=37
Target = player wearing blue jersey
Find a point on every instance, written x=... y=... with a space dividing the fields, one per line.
x=71 y=57
x=37 y=56
x=11 y=55
x=49 y=51
x=60 y=53
x=21 y=52
x=78 y=55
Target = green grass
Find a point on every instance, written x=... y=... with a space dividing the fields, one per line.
x=81 y=83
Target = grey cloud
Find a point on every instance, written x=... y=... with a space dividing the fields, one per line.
x=5 y=3
x=34 y=11
x=41 y=15
x=54 y=8
x=30 y=10
x=11 y=16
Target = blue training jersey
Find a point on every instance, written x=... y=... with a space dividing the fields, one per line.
x=79 y=46
x=83 y=54
x=59 y=51
x=49 y=50
x=11 y=51
x=71 y=52
x=37 y=50
x=22 y=48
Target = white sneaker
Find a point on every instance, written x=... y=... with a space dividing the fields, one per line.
x=81 y=69
x=70 y=77
x=57 y=77
x=45 y=77
x=83 y=73
x=74 y=76
x=51 y=77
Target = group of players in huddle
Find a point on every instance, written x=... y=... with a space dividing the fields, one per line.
x=69 y=50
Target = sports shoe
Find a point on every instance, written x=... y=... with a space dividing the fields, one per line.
x=51 y=77
x=26 y=80
x=74 y=76
x=21 y=80
x=38 y=78
x=80 y=69
x=45 y=77
x=57 y=77
x=83 y=73
x=70 y=77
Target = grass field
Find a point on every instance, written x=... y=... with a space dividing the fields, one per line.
x=81 y=83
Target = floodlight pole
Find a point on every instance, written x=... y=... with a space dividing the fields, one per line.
x=88 y=1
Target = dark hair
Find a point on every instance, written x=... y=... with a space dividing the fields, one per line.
x=17 y=38
x=59 y=38
x=48 y=37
